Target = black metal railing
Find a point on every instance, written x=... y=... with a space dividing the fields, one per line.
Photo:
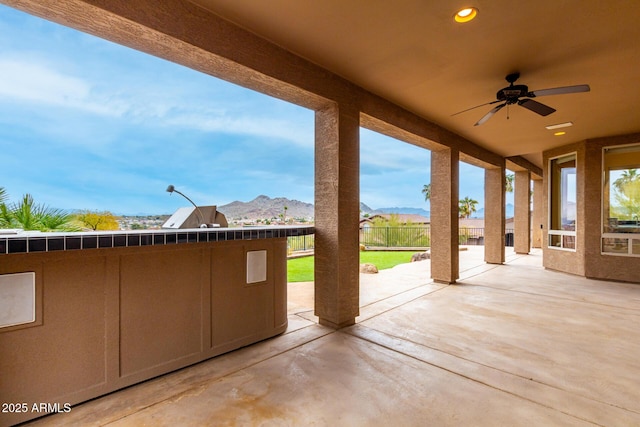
x=396 y=237
x=301 y=243
x=399 y=237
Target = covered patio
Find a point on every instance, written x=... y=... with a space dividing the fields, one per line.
x=510 y=344
x=484 y=337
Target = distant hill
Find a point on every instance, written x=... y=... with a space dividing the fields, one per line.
x=509 y=211
x=412 y=211
x=266 y=207
x=365 y=209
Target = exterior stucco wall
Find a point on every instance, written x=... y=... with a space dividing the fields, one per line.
x=538 y=214
x=588 y=260
x=557 y=259
x=597 y=265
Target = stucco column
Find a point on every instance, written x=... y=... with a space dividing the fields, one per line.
x=522 y=214
x=494 y=212
x=444 y=215
x=337 y=210
x=538 y=214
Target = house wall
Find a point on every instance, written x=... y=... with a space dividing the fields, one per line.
x=109 y=318
x=538 y=214
x=558 y=259
x=522 y=214
x=597 y=265
x=588 y=259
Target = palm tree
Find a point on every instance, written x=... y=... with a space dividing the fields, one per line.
x=627 y=195
x=4 y=213
x=23 y=214
x=467 y=207
x=627 y=176
x=426 y=190
x=31 y=216
x=508 y=184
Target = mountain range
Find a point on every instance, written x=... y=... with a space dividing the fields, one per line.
x=396 y=210
x=509 y=210
x=266 y=207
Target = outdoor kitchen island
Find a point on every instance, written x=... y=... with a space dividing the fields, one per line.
x=84 y=314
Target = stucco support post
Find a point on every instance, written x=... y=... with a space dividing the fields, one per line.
x=444 y=215
x=494 y=213
x=337 y=211
x=538 y=214
x=522 y=212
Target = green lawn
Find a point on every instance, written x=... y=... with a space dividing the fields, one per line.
x=301 y=269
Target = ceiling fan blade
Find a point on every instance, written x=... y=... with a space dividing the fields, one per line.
x=472 y=108
x=536 y=107
x=489 y=114
x=561 y=90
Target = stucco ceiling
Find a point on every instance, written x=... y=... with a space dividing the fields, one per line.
x=414 y=54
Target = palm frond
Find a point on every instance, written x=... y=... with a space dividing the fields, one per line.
x=29 y=215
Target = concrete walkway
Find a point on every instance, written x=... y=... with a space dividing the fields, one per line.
x=510 y=345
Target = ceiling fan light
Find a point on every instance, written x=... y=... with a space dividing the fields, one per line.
x=465 y=15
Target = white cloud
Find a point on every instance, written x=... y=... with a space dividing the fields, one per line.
x=383 y=153
x=34 y=82
x=297 y=132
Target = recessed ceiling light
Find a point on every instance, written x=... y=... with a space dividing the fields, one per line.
x=466 y=14
x=559 y=125
x=559 y=133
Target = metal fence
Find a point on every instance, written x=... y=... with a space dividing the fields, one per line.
x=301 y=243
x=399 y=237
x=395 y=237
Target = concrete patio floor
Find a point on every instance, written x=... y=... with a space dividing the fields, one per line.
x=509 y=345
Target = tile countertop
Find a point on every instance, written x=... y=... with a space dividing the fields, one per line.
x=17 y=241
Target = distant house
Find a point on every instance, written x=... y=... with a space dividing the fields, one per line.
x=414 y=219
x=471 y=222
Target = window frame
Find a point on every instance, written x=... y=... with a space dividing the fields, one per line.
x=564 y=235
x=604 y=235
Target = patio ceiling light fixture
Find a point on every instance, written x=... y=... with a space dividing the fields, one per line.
x=559 y=126
x=465 y=15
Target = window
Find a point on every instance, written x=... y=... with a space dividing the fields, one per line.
x=562 y=206
x=621 y=201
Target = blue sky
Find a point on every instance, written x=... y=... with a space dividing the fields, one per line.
x=88 y=124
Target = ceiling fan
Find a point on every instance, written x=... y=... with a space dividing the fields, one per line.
x=519 y=94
